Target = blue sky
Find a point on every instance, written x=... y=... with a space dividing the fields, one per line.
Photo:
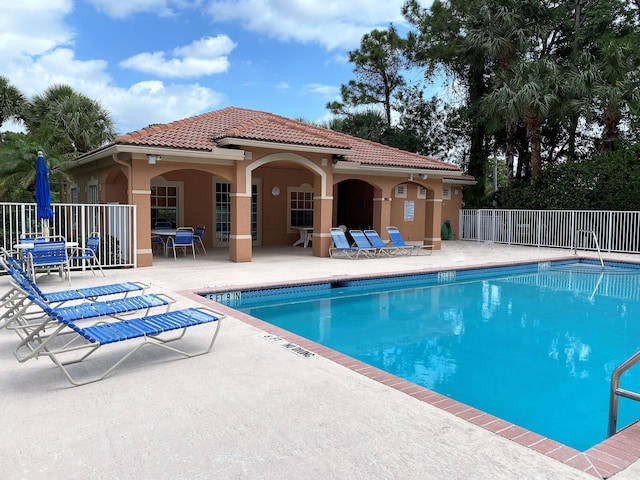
x=155 y=61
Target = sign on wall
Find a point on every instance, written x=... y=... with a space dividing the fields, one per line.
x=409 y=209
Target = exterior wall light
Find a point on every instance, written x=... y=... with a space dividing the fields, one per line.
x=152 y=159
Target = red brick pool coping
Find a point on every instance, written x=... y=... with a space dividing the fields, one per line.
x=602 y=460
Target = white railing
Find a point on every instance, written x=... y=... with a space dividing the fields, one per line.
x=75 y=222
x=615 y=231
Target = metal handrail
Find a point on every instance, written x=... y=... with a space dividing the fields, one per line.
x=595 y=240
x=616 y=391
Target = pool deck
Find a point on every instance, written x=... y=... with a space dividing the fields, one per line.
x=252 y=409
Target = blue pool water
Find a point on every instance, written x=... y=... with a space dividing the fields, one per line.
x=536 y=348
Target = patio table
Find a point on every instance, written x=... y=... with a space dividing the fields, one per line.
x=306 y=234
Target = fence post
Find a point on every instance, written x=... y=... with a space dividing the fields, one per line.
x=610 y=232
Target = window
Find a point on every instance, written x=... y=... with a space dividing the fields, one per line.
x=92 y=193
x=446 y=193
x=223 y=212
x=164 y=204
x=422 y=193
x=75 y=197
x=301 y=206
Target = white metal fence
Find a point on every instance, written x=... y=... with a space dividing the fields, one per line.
x=75 y=222
x=616 y=231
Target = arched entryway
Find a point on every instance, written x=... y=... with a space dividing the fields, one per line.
x=354 y=204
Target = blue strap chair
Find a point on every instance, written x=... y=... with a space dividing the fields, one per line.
x=183 y=239
x=149 y=330
x=198 y=235
x=398 y=241
x=88 y=254
x=341 y=246
x=48 y=255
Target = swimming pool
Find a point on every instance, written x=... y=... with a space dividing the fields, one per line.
x=533 y=344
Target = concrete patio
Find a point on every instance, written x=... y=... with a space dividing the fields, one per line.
x=251 y=409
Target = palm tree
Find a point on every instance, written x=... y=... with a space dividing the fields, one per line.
x=616 y=86
x=18 y=167
x=12 y=102
x=73 y=122
x=529 y=94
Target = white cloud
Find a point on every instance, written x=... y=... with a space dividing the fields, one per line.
x=126 y=8
x=35 y=53
x=332 y=23
x=33 y=27
x=328 y=91
x=150 y=102
x=202 y=57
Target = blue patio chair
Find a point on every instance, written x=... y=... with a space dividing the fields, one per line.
x=198 y=236
x=163 y=225
x=398 y=241
x=87 y=255
x=183 y=239
x=382 y=247
x=157 y=241
x=341 y=246
x=47 y=255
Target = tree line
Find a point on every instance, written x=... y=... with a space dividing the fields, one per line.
x=60 y=122
x=549 y=87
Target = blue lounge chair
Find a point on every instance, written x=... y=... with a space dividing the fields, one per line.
x=361 y=241
x=20 y=316
x=87 y=293
x=398 y=241
x=382 y=247
x=341 y=246
x=69 y=343
x=15 y=298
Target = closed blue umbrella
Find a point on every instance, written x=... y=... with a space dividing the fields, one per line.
x=43 y=193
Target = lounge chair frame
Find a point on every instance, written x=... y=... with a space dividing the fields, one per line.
x=377 y=242
x=85 y=341
x=397 y=240
x=342 y=247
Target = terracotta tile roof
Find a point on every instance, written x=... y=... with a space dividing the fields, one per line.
x=204 y=132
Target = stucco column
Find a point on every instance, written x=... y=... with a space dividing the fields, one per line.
x=240 y=242
x=140 y=196
x=322 y=222
x=433 y=218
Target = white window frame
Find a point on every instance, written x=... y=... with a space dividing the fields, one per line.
x=305 y=189
x=179 y=186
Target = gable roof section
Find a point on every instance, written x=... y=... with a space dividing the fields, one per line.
x=215 y=129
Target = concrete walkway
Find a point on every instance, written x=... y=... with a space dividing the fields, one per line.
x=250 y=409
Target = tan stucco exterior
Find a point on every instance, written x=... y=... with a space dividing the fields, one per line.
x=350 y=193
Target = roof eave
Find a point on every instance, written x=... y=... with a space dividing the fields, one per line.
x=215 y=155
x=243 y=142
x=459 y=181
x=356 y=167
